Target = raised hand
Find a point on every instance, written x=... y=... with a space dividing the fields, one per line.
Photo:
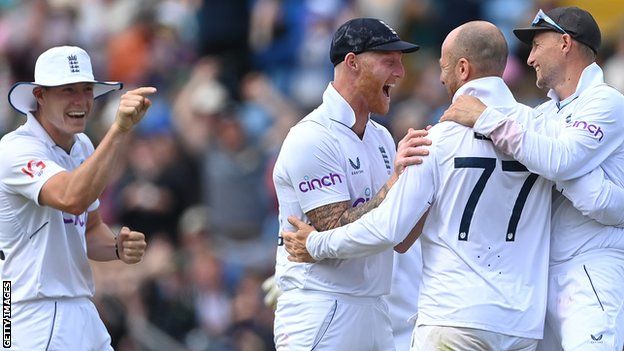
x=465 y=110
x=132 y=107
x=410 y=149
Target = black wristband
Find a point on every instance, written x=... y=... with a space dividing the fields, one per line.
x=117 y=252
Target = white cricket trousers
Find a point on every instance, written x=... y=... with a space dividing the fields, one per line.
x=586 y=303
x=58 y=325
x=440 y=338
x=310 y=320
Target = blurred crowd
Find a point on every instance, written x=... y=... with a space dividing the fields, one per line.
x=232 y=76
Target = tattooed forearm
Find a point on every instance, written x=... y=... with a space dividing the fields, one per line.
x=341 y=213
x=326 y=217
x=352 y=214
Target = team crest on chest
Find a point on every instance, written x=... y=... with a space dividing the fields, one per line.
x=386 y=159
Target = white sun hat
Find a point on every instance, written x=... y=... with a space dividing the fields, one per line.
x=58 y=66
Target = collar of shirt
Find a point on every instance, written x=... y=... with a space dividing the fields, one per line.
x=491 y=90
x=337 y=107
x=33 y=126
x=592 y=75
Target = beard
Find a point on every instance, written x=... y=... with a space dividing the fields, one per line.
x=371 y=88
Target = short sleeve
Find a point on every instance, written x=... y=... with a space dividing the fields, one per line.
x=313 y=164
x=26 y=165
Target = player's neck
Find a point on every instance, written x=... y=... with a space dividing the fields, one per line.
x=571 y=77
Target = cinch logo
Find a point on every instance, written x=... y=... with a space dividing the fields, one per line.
x=34 y=168
x=592 y=128
x=362 y=200
x=78 y=220
x=313 y=184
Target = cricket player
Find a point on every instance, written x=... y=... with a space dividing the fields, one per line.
x=584 y=131
x=50 y=180
x=486 y=237
x=335 y=165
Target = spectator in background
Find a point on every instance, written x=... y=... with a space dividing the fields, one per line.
x=223 y=33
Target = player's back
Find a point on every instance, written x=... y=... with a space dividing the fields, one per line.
x=485 y=242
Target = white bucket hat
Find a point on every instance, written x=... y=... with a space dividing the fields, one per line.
x=58 y=66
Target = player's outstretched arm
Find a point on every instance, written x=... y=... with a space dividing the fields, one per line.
x=579 y=147
x=405 y=245
x=465 y=110
x=596 y=197
x=103 y=245
x=410 y=151
x=383 y=227
x=75 y=191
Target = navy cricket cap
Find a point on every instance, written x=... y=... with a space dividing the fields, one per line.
x=576 y=22
x=366 y=34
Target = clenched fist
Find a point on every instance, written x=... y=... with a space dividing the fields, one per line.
x=132 y=107
x=130 y=246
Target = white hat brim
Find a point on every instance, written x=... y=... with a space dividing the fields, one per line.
x=21 y=97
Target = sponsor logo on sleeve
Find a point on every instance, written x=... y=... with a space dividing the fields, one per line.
x=310 y=184
x=364 y=199
x=591 y=128
x=34 y=168
x=77 y=220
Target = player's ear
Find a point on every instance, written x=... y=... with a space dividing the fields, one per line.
x=351 y=61
x=463 y=69
x=38 y=93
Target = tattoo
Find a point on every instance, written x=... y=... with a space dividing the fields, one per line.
x=326 y=217
x=341 y=213
x=353 y=214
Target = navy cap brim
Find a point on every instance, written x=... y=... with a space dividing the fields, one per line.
x=400 y=45
x=526 y=35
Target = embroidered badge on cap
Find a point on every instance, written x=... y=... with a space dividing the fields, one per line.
x=73 y=63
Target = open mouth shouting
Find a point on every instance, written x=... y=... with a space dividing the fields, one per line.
x=386 y=89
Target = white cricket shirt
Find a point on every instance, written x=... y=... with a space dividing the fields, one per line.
x=45 y=248
x=587 y=134
x=322 y=161
x=485 y=240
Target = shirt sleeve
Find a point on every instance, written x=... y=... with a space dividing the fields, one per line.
x=26 y=167
x=596 y=197
x=385 y=226
x=581 y=146
x=315 y=170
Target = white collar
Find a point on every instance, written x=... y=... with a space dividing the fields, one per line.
x=33 y=125
x=592 y=75
x=338 y=108
x=491 y=90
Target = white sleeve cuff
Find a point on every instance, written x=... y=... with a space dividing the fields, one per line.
x=313 y=244
x=489 y=120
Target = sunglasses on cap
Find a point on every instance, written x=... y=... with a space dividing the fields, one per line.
x=542 y=17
